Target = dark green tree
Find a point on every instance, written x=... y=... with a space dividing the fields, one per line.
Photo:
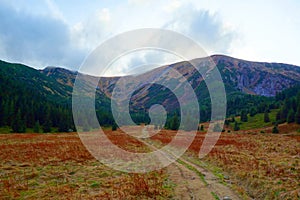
x=174 y=125
x=253 y=111
x=244 y=117
x=18 y=124
x=201 y=128
x=63 y=126
x=297 y=115
x=236 y=126
x=266 y=117
x=275 y=129
x=278 y=116
x=217 y=128
x=226 y=122
x=189 y=124
x=284 y=113
x=232 y=119
x=37 y=127
x=114 y=127
x=47 y=126
x=291 y=116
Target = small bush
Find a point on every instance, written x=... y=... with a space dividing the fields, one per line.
x=275 y=129
x=114 y=127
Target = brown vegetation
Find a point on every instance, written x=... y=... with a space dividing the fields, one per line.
x=57 y=166
x=260 y=165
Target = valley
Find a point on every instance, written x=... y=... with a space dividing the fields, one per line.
x=241 y=166
x=255 y=157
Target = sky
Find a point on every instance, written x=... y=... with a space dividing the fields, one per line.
x=42 y=33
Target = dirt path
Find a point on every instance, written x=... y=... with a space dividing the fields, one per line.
x=188 y=184
x=195 y=182
x=211 y=182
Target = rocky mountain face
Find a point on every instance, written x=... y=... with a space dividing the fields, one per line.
x=257 y=78
x=53 y=86
x=246 y=77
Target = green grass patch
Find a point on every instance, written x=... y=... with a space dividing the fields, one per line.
x=190 y=167
x=95 y=185
x=212 y=168
x=215 y=196
x=5 y=129
x=257 y=121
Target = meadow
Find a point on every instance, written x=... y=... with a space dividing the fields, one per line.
x=254 y=164
x=57 y=166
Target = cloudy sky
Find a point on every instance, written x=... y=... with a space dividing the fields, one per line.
x=42 y=33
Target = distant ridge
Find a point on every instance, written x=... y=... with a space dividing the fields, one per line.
x=32 y=96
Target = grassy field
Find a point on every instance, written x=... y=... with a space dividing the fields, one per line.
x=262 y=166
x=257 y=121
x=57 y=166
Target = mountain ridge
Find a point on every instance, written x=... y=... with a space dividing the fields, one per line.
x=44 y=96
x=250 y=77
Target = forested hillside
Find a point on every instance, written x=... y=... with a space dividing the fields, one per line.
x=40 y=100
x=30 y=99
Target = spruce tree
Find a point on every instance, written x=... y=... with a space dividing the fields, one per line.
x=291 y=116
x=1 y=112
x=275 y=129
x=236 y=126
x=278 y=114
x=63 y=126
x=37 y=127
x=253 y=112
x=18 y=124
x=201 y=128
x=114 y=127
x=244 y=117
x=232 y=119
x=297 y=115
x=47 y=126
x=174 y=123
x=217 y=128
x=284 y=113
x=266 y=117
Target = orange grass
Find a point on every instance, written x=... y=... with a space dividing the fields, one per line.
x=57 y=166
x=260 y=165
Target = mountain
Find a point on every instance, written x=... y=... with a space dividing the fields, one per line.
x=34 y=82
x=49 y=91
x=258 y=78
x=29 y=98
x=241 y=78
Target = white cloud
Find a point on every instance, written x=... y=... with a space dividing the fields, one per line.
x=139 y=2
x=140 y=61
x=172 y=6
x=204 y=27
x=36 y=40
x=52 y=32
x=55 y=11
x=104 y=15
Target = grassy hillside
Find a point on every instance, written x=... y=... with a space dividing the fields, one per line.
x=257 y=121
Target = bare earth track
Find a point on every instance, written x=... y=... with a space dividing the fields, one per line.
x=195 y=182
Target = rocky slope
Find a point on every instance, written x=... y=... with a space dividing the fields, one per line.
x=239 y=76
x=259 y=78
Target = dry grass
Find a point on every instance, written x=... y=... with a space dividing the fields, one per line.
x=57 y=166
x=262 y=166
